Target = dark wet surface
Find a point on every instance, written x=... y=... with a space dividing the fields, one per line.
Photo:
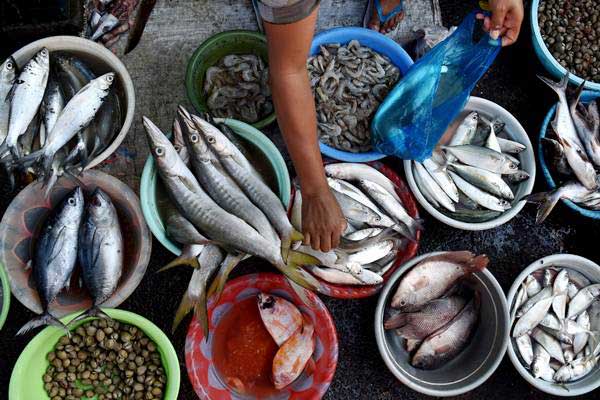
x=361 y=373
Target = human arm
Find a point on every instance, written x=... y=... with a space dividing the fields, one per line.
x=505 y=21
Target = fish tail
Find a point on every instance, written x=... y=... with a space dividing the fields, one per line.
x=396 y=321
x=478 y=263
x=28 y=160
x=218 y=283
x=300 y=258
x=184 y=259
x=559 y=87
x=93 y=312
x=185 y=306
x=43 y=320
x=201 y=313
x=418 y=225
x=578 y=91
x=295 y=273
x=546 y=202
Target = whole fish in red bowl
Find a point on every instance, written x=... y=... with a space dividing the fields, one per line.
x=267 y=340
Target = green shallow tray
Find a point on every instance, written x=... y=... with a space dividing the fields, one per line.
x=5 y=295
x=211 y=51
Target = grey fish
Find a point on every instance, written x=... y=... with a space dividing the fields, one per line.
x=484 y=158
x=510 y=146
x=532 y=317
x=433 y=277
x=479 y=196
x=55 y=255
x=441 y=177
x=77 y=114
x=101 y=251
x=583 y=299
x=357 y=171
x=420 y=324
x=25 y=98
x=559 y=291
x=432 y=187
x=483 y=179
x=517 y=177
x=540 y=366
x=545 y=293
x=546 y=201
x=466 y=130
x=525 y=348
x=585 y=129
x=532 y=285
x=576 y=369
x=52 y=104
x=220 y=226
x=450 y=340
x=549 y=343
x=555 y=154
x=8 y=74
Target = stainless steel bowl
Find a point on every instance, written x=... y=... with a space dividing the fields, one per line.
x=474 y=365
x=591 y=270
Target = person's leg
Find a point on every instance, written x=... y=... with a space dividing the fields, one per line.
x=387 y=7
x=285 y=11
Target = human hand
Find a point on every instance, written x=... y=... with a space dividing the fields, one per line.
x=506 y=19
x=322 y=220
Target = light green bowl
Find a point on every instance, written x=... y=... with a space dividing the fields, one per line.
x=214 y=49
x=26 y=379
x=149 y=185
x=5 y=295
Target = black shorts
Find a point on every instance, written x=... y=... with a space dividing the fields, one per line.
x=285 y=11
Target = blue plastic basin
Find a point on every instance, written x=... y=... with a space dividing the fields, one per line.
x=546 y=58
x=376 y=41
x=586 y=96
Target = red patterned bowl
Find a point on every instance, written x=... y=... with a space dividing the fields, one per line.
x=359 y=292
x=24 y=218
x=198 y=352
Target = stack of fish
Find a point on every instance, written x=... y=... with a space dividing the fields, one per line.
x=557 y=326
x=55 y=115
x=349 y=82
x=572 y=152
x=472 y=178
x=238 y=87
x=434 y=309
x=294 y=334
x=376 y=219
x=222 y=207
x=77 y=233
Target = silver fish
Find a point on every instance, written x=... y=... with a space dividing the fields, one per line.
x=532 y=318
x=545 y=293
x=525 y=348
x=8 y=74
x=549 y=343
x=425 y=191
x=559 y=291
x=373 y=252
x=336 y=276
x=585 y=129
x=466 y=130
x=433 y=277
x=594 y=315
x=52 y=105
x=483 y=179
x=492 y=141
x=484 y=158
x=441 y=177
x=551 y=321
x=541 y=363
x=101 y=250
x=555 y=156
x=576 y=369
x=432 y=187
x=25 y=98
x=479 y=196
x=55 y=255
x=520 y=299
x=546 y=201
x=450 y=340
x=583 y=299
x=510 y=146
x=356 y=172
x=517 y=177
x=532 y=285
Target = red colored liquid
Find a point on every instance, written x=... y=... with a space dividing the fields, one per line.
x=243 y=351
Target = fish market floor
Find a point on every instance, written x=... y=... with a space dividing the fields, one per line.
x=361 y=373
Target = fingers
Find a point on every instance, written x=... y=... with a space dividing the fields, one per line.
x=510 y=37
x=315 y=242
x=497 y=21
x=306 y=240
x=325 y=242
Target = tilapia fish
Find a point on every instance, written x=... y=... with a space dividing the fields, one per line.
x=101 y=250
x=349 y=82
x=292 y=357
x=420 y=324
x=281 y=318
x=450 y=340
x=55 y=256
x=433 y=277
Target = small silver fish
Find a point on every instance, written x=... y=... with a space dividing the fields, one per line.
x=532 y=317
x=484 y=158
x=525 y=348
x=583 y=299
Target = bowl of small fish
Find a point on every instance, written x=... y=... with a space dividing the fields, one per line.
x=576 y=126
x=351 y=72
x=477 y=177
x=70 y=107
x=228 y=77
x=82 y=247
x=120 y=354
x=4 y=295
x=442 y=323
x=267 y=340
x=383 y=229
x=565 y=39
x=256 y=147
x=555 y=322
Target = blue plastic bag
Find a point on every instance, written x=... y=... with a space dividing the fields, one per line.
x=416 y=113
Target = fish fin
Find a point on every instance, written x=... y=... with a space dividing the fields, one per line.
x=575 y=101
x=478 y=263
x=459 y=257
x=396 y=321
x=93 y=312
x=546 y=202
x=299 y=258
x=296 y=236
x=11 y=92
x=27 y=160
x=185 y=306
x=201 y=313
x=43 y=320
x=559 y=87
x=300 y=291
x=181 y=260
x=218 y=283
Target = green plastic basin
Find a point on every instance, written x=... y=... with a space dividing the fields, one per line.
x=214 y=49
x=151 y=190
x=5 y=295
x=26 y=379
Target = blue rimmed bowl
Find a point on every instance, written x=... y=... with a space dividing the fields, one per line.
x=586 y=97
x=275 y=172
x=544 y=55
x=376 y=41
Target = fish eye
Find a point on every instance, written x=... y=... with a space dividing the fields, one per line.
x=513 y=166
x=194 y=138
x=211 y=139
x=44 y=52
x=71 y=201
x=403 y=303
x=177 y=147
x=110 y=78
x=9 y=65
x=159 y=151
